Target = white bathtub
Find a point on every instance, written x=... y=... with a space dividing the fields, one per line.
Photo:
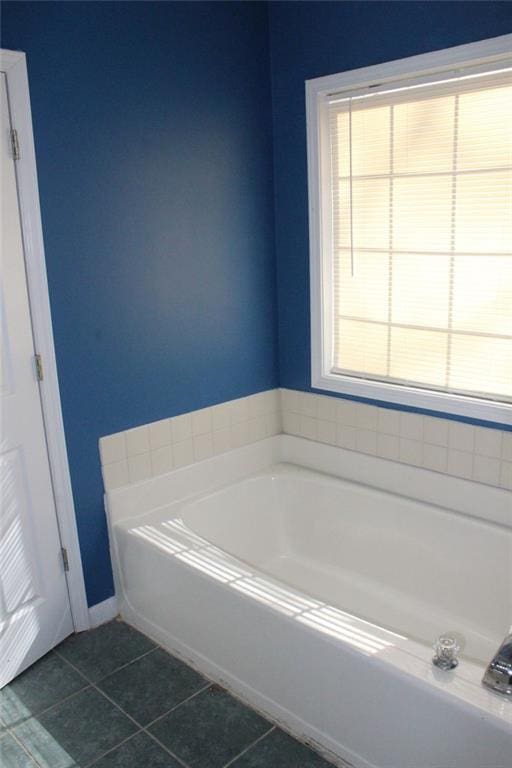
x=317 y=599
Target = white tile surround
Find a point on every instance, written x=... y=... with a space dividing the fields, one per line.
x=154 y=449
x=450 y=447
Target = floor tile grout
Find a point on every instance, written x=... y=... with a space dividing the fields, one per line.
x=102 y=693
x=144 y=729
x=106 y=696
x=253 y=744
x=119 y=707
x=117 y=669
x=90 y=684
x=139 y=728
x=160 y=744
x=12 y=728
x=9 y=729
x=176 y=706
x=69 y=663
x=25 y=750
x=123 y=666
x=112 y=749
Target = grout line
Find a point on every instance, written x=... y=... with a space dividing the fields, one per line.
x=233 y=695
x=273 y=410
x=24 y=748
x=106 y=696
x=276 y=725
x=251 y=745
x=11 y=728
x=112 y=749
x=193 y=695
x=136 y=722
x=123 y=666
x=133 y=720
x=141 y=728
x=69 y=663
x=100 y=679
x=144 y=729
x=166 y=749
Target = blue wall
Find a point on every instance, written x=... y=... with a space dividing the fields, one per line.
x=153 y=135
x=152 y=126
x=312 y=39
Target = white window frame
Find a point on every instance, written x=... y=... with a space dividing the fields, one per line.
x=484 y=53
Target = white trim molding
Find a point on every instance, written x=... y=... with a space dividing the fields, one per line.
x=13 y=63
x=479 y=54
x=103 y=612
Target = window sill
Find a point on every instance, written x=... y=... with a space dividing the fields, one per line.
x=495 y=413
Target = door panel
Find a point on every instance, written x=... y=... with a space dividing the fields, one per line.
x=35 y=613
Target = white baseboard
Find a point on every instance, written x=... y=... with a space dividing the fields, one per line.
x=103 y=612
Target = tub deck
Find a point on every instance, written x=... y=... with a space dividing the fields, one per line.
x=316 y=599
x=383 y=558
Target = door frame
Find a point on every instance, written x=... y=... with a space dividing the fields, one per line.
x=14 y=65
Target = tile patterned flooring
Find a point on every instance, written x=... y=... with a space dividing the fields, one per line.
x=111 y=698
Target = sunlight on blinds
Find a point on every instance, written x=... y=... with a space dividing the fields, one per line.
x=421 y=205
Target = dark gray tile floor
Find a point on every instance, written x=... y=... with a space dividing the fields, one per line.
x=111 y=698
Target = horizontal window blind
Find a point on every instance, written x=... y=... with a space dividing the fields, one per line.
x=421 y=235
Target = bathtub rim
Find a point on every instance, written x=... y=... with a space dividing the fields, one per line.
x=468 y=625
x=407 y=655
x=415 y=671
x=466 y=497
x=462 y=496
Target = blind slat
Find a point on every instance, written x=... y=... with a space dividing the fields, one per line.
x=421 y=213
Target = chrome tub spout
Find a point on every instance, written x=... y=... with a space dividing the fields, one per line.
x=498 y=675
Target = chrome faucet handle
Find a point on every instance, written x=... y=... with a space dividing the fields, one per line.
x=446 y=649
x=498 y=675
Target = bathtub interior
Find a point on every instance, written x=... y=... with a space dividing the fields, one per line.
x=330 y=551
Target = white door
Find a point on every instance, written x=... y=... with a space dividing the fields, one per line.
x=35 y=612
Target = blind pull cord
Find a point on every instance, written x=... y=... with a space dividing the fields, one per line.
x=350 y=190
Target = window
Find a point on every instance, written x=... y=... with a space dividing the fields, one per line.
x=410 y=174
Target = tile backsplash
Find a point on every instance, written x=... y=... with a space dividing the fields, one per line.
x=451 y=447
x=153 y=449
